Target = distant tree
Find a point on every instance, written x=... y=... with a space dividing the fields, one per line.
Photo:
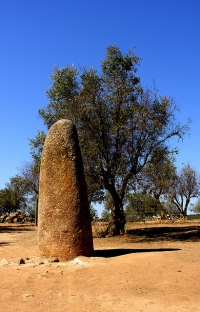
x=157 y=177
x=31 y=206
x=14 y=196
x=6 y=200
x=140 y=205
x=108 y=201
x=105 y=215
x=196 y=207
x=107 y=204
x=171 y=209
x=119 y=124
x=93 y=213
x=30 y=173
x=185 y=187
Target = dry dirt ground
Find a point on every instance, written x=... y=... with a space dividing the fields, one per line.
x=155 y=267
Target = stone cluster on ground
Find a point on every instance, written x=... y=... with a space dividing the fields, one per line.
x=38 y=261
x=15 y=217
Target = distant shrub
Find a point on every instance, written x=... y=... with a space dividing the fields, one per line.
x=194 y=217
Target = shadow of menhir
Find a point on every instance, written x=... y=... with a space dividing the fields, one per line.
x=110 y=253
x=168 y=233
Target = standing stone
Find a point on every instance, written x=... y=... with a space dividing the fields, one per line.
x=64 y=224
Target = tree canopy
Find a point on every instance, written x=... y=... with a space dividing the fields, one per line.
x=14 y=196
x=157 y=177
x=141 y=205
x=196 y=207
x=119 y=123
x=186 y=186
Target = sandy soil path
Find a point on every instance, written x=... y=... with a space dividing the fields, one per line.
x=155 y=268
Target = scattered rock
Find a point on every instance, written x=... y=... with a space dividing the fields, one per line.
x=29 y=295
x=78 y=262
x=60 y=295
x=15 y=217
x=21 y=261
x=4 y=262
x=53 y=259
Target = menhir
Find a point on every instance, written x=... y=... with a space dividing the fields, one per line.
x=64 y=223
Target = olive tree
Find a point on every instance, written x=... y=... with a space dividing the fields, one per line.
x=119 y=123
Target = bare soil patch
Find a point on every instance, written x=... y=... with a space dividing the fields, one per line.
x=154 y=267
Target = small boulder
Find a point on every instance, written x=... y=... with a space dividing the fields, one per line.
x=4 y=262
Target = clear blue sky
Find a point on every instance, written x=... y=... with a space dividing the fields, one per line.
x=36 y=35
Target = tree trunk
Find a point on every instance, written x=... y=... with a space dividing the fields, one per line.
x=116 y=225
x=160 y=206
x=117 y=220
x=161 y=209
x=183 y=214
x=182 y=211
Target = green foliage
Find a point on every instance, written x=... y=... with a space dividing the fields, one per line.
x=14 y=196
x=158 y=175
x=185 y=187
x=36 y=145
x=139 y=204
x=194 y=217
x=159 y=172
x=196 y=207
x=108 y=202
x=62 y=95
x=93 y=213
x=105 y=215
x=30 y=173
x=171 y=209
x=6 y=200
